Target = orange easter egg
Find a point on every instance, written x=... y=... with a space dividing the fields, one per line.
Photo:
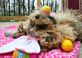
x=67 y=45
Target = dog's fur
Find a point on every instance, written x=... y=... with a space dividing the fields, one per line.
x=71 y=23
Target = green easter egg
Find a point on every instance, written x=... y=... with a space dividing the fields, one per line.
x=14 y=35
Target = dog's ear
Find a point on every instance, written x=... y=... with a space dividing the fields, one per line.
x=58 y=39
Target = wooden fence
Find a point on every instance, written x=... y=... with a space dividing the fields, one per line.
x=13 y=18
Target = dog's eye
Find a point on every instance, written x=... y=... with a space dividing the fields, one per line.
x=50 y=33
x=48 y=39
x=51 y=38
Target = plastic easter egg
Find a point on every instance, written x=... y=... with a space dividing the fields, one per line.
x=14 y=35
x=67 y=45
x=7 y=33
x=46 y=8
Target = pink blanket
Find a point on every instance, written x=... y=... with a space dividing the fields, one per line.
x=4 y=40
x=56 y=53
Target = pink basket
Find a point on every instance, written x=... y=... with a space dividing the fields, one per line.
x=9 y=55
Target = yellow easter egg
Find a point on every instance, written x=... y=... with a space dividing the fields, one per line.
x=46 y=8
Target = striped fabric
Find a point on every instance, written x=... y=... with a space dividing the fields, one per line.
x=20 y=54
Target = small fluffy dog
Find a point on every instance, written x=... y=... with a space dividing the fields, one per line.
x=51 y=35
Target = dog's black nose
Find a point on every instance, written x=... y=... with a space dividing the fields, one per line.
x=42 y=26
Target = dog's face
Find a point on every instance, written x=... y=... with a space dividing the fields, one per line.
x=48 y=37
x=47 y=40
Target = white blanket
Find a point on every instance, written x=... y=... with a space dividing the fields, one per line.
x=22 y=43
